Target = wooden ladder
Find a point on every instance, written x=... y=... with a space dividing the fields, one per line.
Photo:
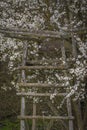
x=23 y=83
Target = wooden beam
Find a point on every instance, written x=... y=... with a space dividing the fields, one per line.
x=59 y=67
x=79 y=31
x=40 y=94
x=39 y=85
x=37 y=62
x=28 y=33
x=12 y=32
x=21 y=37
x=46 y=117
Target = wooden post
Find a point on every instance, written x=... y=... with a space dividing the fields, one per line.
x=69 y=113
x=22 y=122
x=63 y=52
x=34 y=114
x=74 y=51
x=68 y=99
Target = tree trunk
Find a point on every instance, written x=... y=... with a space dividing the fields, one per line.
x=78 y=115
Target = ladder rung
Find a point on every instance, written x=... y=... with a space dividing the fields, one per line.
x=61 y=67
x=40 y=94
x=33 y=34
x=47 y=117
x=39 y=85
x=44 y=61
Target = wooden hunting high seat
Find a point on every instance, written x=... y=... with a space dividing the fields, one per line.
x=39 y=65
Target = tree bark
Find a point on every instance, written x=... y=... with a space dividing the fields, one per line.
x=78 y=115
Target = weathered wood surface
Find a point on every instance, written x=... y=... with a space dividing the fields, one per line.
x=40 y=94
x=22 y=123
x=33 y=34
x=63 y=52
x=37 y=62
x=79 y=118
x=74 y=48
x=28 y=33
x=47 y=117
x=44 y=85
x=34 y=114
x=69 y=108
x=59 y=67
x=23 y=79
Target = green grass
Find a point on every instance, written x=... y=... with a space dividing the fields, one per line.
x=9 y=125
x=14 y=124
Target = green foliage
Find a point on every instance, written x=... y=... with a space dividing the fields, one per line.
x=9 y=125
